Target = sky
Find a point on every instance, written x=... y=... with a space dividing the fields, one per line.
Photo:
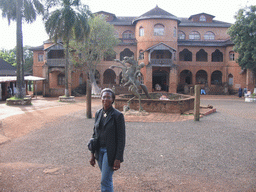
x=34 y=34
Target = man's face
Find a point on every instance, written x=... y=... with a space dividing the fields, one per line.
x=107 y=100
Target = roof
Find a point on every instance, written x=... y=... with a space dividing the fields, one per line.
x=160 y=46
x=185 y=22
x=38 y=48
x=214 y=43
x=156 y=13
x=6 y=68
x=201 y=14
x=122 y=21
x=14 y=78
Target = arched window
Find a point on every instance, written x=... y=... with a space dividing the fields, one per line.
x=231 y=56
x=209 y=36
x=174 y=32
x=217 y=56
x=185 y=55
x=141 y=32
x=158 y=30
x=201 y=77
x=230 y=79
x=126 y=52
x=109 y=77
x=128 y=35
x=202 y=18
x=97 y=76
x=141 y=55
x=216 y=78
x=61 y=79
x=201 y=55
x=81 y=79
x=181 y=35
x=194 y=35
x=186 y=77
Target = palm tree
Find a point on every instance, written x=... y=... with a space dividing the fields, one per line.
x=68 y=22
x=18 y=10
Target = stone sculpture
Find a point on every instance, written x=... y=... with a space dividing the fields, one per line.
x=131 y=72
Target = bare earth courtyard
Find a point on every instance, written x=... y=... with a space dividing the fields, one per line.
x=47 y=149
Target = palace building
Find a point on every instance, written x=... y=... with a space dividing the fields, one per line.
x=178 y=53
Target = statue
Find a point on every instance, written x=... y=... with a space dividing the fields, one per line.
x=131 y=72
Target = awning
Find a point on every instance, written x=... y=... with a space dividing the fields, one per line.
x=4 y=79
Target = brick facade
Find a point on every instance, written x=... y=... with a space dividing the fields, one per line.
x=177 y=52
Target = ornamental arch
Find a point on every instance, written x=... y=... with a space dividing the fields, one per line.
x=201 y=77
x=185 y=55
x=186 y=77
x=109 y=77
x=126 y=52
x=216 y=78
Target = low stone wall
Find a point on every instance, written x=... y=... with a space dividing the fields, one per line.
x=186 y=103
x=25 y=101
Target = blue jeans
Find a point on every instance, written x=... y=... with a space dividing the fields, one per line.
x=106 y=171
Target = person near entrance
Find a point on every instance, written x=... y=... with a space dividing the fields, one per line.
x=108 y=140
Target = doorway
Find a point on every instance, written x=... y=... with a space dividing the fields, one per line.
x=160 y=78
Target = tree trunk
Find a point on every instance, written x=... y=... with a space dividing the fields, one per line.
x=88 y=100
x=19 y=55
x=66 y=70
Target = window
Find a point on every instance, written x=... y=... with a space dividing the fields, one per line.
x=181 y=35
x=209 y=35
x=174 y=32
x=202 y=18
x=231 y=56
x=194 y=35
x=141 y=55
x=159 y=30
x=141 y=32
x=128 y=35
x=40 y=57
x=61 y=79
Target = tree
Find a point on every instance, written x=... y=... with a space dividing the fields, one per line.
x=9 y=56
x=68 y=22
x=19 y=10
x=243 y=34
x=89 y=54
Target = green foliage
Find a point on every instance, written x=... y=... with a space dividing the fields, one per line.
x=99 y=44
x=68 y=22
x=9 y=56
x=30 y=9
x=243 y=34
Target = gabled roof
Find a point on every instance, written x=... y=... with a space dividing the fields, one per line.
x=160 y=46
x=201 y=14
x=6 y=68
x=156 y=13
x=38 y=48
x=56 y=46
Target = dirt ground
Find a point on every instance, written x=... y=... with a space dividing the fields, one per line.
x=21 y=176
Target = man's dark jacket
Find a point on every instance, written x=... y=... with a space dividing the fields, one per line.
x=114 y=127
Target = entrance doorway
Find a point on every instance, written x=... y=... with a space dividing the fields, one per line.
x=160 y=78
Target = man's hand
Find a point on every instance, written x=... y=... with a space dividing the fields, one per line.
x=92 y=161
x=116 y=165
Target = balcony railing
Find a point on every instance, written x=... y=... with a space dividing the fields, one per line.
x=127 y=41
x=161 y=62
x=56 y=62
